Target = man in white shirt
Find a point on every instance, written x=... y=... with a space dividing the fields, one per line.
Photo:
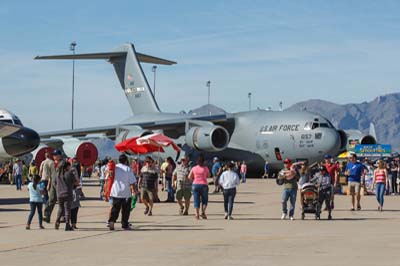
x=124 y=186
x=229 y=180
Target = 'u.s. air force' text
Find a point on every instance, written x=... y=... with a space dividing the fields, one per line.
x=283 y=127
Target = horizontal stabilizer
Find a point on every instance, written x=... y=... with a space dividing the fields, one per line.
x=109 y=56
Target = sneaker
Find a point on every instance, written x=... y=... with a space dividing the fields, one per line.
x=181 y=210
x=146 y=211
x=291 y=218
x=150 y=213
x=283 y=217
x=41 y=227
x=230 y=217
x=204 y=216
x=358 y=208
x=186 y=213
x=27 y=227
x=226 y=216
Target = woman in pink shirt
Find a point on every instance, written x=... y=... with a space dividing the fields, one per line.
x=199 y=175
x=243 y=171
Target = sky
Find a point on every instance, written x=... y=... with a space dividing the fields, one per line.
x=289 y=51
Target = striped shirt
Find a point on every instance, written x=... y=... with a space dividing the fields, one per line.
x=182 y=172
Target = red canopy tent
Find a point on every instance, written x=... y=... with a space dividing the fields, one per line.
x=146 y=144
x=131 y=145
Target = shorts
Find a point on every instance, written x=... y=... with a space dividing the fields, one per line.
x=147 y=194
x=183 y=193
x=355 y=187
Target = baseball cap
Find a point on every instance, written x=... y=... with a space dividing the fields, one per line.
x=328 y=156
x=215 y=159
x=57 y=152
x=287 y=160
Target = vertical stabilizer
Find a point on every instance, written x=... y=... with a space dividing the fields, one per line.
x=372 y=130
x=130 y=74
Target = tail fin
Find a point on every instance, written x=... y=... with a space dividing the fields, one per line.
x=372 y=130
x=130 y=74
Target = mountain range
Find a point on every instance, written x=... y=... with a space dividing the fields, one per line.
x=383 y=111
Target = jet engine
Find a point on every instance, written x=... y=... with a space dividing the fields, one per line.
x=207 y=138
x=85 y=152
x=39 y=154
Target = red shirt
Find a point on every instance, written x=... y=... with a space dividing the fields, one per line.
x=332 y=168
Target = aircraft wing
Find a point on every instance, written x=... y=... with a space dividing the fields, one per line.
x=172 y=127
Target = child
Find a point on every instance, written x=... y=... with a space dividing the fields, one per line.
x=35 y=201
x=75 y=207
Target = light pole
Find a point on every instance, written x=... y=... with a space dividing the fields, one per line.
x=208 y=85
x=249 y=95
x=72 y=48
x=153 y=69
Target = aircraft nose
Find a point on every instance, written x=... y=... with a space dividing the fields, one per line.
x=23 y=141
x=332 y=142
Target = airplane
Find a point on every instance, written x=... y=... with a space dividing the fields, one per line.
x=15 y=139
x=251 y=136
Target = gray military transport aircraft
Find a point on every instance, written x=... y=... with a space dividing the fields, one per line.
x=15 y=139
x=253 y=136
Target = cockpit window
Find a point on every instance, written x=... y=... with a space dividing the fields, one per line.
x=9 y=121
x=18 y=122
x=307 y=126
x=324 y=125
x=314 y=125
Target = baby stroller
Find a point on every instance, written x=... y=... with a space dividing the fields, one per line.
x=310 y=200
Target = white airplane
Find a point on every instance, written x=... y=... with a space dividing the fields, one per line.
x=253 y=136
x=15 y=139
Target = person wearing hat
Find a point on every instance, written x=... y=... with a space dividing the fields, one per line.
x=52 y=173
x=183 y=185
x=323 y=178
x=333 y=171
x=290 y=176
x=229 y=180
x=216 y=171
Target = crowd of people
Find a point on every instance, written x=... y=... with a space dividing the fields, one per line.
x=58 y=180
x=379 y=177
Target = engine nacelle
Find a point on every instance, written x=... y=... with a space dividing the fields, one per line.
x=39 y=154
x=207 y=138
x=355 y=137
x=85 y=152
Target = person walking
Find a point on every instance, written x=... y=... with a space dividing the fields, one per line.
x=183 y=185
x=35 y=201
x=381 y=182
x=243 y=171
x=290 y=176
x=199 y=175
x=65 y=181
x=51 y=187
x=124 y=186
x=47 y=170
x=75 y=207
x=168 y=178
x=33 y=171
x=355 y=173
x=216 y=171
x=148 y=183
x=17 y=174
x=229 y=180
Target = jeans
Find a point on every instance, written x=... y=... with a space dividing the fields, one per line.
x=34 y=206
x=102 y=181
x=74 y=215
x=380 y=192
x=229 y=197
x=325 y=196
x=123 y=205
x=64 y=208
x=200 y=194
x=18 y=181
x=289 y=193
x=243 y=177
x=171 y=194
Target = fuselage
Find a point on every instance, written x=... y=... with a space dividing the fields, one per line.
x=268 y=135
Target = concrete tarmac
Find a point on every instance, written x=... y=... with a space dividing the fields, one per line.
x=256 y=236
